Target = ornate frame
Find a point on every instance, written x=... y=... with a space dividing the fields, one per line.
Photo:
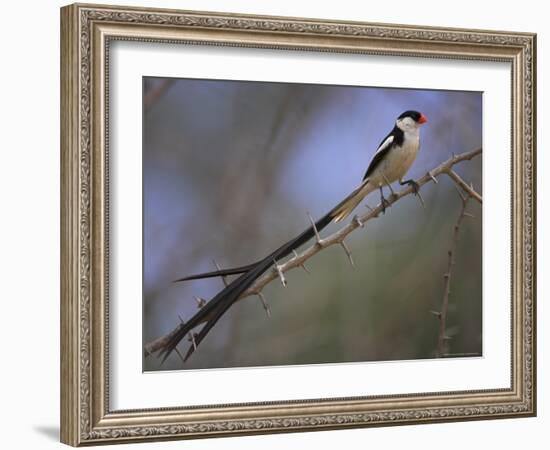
x=86 y=31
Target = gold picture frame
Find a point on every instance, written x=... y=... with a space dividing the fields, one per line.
x=86 y=33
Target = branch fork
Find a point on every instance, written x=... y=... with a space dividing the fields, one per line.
x=443 y=336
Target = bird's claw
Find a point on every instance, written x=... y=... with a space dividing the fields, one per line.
x=416 y=190
x=415 y=186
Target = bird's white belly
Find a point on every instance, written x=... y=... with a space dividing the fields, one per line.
x=396 y=163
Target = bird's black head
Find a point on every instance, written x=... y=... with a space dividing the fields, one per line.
x=418 y=117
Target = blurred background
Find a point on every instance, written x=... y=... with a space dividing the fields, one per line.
x=230 y=169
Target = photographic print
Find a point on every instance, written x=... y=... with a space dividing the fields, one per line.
x=293 y=224
x=275 y=224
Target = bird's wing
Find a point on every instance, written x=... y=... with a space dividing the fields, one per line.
x=383 y=149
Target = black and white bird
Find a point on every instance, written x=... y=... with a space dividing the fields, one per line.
x=390 y=163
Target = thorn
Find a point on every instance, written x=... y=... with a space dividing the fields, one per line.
x=200 y=301
x=460 y=193
x=302 y=265
x=264 y=303
x=469 y=215
x=436 y=313
x=434 y=179
x=314 y=228
x=180 y=355
x=447 y=338
x=348 y=252
x=358 y=221
x=369 y=208
x=280 y=273
x=181 y=320
x=224 y=279
x=419 y=195
x=192 y=339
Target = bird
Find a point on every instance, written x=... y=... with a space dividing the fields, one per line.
x=391 y=161
x=393 y=157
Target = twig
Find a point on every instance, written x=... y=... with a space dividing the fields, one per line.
x=460 y=182
x=343 y=232
x=443 y=338
x=336 y=238
x=155 y=345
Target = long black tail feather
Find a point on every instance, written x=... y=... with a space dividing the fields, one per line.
x=309 y=233
x=218 y=273
x=216 y=307
x=222 y=301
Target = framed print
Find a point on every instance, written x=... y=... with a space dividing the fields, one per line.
x=275 y=224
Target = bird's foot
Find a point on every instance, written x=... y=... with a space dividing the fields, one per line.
x=415 y=186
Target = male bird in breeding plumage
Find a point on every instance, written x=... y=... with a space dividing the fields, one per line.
x=390 y=163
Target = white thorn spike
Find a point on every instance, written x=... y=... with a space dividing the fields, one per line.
x=348 y=252
x=280 y=273
x=264 y=304
x=302 y=265
x=314 y=228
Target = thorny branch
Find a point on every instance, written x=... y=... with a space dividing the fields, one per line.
x=338 y=237
x=468 y=188
x=359 y=221
x=443 y=337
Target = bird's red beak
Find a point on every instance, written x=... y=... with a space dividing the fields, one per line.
x=423 y=119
